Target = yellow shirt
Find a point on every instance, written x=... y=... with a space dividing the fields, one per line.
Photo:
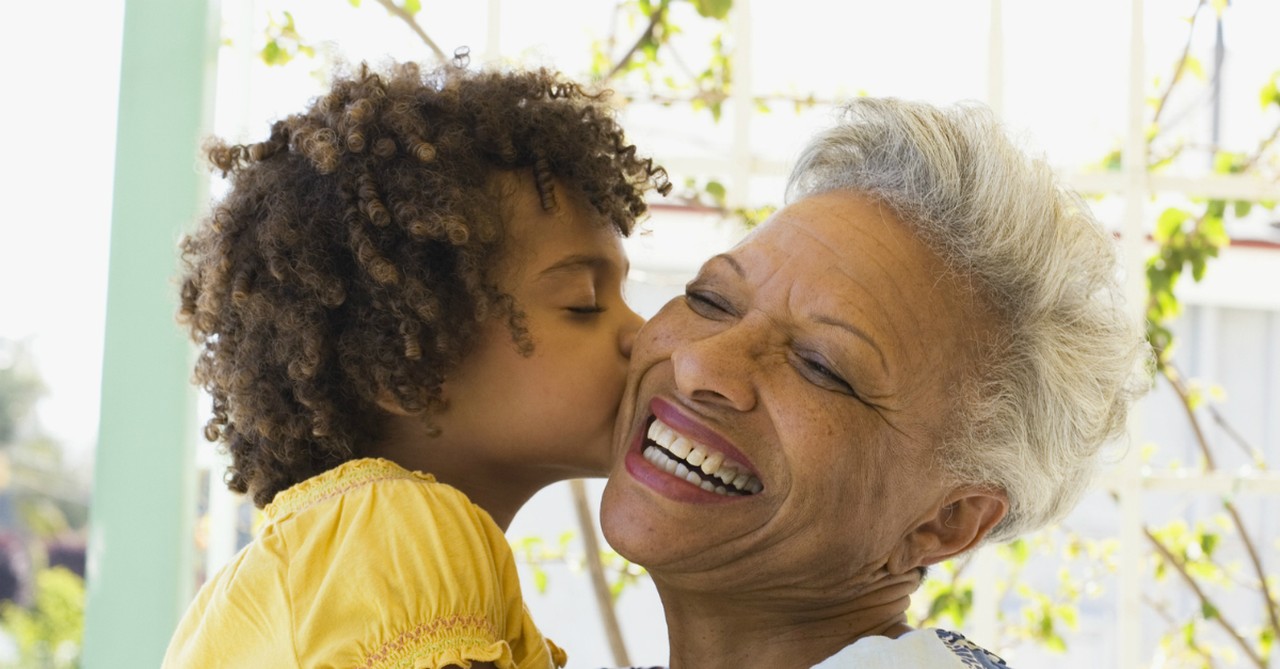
x=367 y=565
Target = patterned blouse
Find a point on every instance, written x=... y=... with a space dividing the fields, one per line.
x=923 y=648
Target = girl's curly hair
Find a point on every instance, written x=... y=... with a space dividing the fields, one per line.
x=351 y=257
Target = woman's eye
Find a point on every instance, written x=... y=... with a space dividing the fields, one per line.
x=824 y=376
x=705 y=303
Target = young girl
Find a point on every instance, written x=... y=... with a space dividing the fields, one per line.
x=410 y=317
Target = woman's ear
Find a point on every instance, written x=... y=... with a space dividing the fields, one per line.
x=959 y=524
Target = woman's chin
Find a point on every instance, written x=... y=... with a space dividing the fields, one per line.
x=629 y=523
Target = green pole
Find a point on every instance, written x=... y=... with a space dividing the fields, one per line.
x=140 y=563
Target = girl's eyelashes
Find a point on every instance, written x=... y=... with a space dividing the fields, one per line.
x=586 y=309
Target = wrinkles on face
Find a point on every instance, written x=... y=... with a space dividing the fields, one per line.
x=831 y=294
x=755 y=362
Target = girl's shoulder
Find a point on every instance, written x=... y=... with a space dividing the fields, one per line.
x=350 y=477
x=398 y=565
x=374 y=505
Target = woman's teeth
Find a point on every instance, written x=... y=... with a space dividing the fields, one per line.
x=696 y=464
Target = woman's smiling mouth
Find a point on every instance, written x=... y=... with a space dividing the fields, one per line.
x=696 y=463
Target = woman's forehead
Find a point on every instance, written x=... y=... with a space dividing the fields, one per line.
x=840 y=234
x=845 y=256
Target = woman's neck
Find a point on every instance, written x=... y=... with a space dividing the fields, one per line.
x=709 y=631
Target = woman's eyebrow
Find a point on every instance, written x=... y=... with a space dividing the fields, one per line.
x=855 y=331
x=733 y=262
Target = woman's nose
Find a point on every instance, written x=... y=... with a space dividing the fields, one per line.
x=631 y=322
x=717 y=369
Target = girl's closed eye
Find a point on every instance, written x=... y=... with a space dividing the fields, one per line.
x=586 y=309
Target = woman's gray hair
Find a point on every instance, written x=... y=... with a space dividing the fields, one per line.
x=1054 y=385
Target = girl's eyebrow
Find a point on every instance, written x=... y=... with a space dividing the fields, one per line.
x=576 y=262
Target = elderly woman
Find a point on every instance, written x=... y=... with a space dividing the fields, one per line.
x=926 y=349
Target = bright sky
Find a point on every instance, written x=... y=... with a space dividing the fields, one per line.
x=1065 y=79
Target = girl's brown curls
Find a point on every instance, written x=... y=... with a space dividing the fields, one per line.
x=351 y=257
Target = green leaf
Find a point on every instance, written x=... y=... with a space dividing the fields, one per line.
x=649 y=47
x=1209 y=541
x=600 y=63
x=1213 y=231
x=1219 y=6
x=716 y=190
x=1192 y=65
x=1242 y=208
x=1069 y=616
x=1227 y=162
x=272 y=54
x=1195 y=398
x=1270 y=93
x=1169 y=223
x=713 y=9
x=1111 y=162
x=1197 y=267
x=1019 y=551
x=1209 y=611
x=412 y=6
x=540 y=579
x=354 y=3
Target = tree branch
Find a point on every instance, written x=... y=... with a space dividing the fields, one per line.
x=1262 y=148
x=1173 y=377
x=1171 y=373
x=1181 y=569
x=1162 y=611
x=1245 y=446
x=604 y=601
x=1182 y=63
x=400 y=13
x=645 y=36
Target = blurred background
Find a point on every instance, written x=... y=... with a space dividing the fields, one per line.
x=1165 y=114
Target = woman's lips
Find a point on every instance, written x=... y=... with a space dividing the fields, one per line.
x=681 y=458
x=697 y=463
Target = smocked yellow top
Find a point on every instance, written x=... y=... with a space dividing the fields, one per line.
x=367 y=565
